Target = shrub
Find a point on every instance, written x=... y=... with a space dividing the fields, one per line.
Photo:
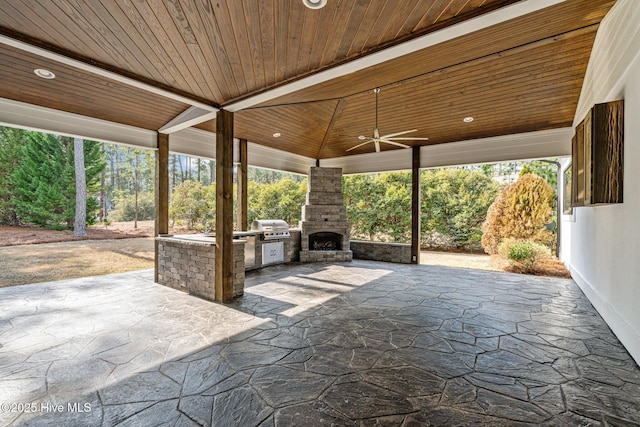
x=195 y=204
x=523 y=253
x=361 y=193
x=125 y=207
x=454 y=206
x=379 y=206
x=283 y=200
x=520 y=211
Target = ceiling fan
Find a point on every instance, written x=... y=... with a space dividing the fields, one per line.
x=387 y=139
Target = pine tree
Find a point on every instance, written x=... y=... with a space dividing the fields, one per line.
x=80 y=223
x=11 y=142
x=94 y=165
x=139 y=173
x=45 y=181
x=39 y=182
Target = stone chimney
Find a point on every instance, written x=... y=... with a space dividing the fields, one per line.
x=324 y=226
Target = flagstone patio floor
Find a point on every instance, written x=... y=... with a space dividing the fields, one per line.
x=362 y=343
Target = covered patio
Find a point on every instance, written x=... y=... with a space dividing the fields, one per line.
x=365 y=343
x=287 y=87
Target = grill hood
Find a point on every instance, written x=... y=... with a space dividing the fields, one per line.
x=272 y=228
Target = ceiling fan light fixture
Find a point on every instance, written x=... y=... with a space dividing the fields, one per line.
x=468 y=119
x=315 y=4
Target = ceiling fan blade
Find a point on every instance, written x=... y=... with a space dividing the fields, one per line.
x=377 y=143
x=400 y=133
x=360 y=145
x=395 y=143
x=407 y=139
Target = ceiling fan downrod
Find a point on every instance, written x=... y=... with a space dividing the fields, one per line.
x=376 y=91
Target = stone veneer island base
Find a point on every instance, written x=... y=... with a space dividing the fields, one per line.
x=188 y=263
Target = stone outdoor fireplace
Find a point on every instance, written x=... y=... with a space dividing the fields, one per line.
x=325 y=241
x=324 y=226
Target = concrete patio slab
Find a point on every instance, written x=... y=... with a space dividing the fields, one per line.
x=364 y=343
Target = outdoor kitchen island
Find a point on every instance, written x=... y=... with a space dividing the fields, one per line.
x=187 y=262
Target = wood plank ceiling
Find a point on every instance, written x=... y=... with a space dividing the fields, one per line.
x=522 y=75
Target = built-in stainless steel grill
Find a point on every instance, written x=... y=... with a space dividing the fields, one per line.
x=271 y=228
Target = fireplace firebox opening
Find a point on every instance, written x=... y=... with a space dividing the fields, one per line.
x=325 y=241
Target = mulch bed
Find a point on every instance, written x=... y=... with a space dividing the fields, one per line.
x=545 y=267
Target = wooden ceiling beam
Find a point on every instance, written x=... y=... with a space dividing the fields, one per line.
x=336 y=114
x=190 y=117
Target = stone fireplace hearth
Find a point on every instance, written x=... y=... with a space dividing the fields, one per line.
x=324 y=226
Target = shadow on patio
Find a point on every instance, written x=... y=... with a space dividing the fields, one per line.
x=364 y=343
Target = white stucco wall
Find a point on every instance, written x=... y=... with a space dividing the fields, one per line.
x=601 y=245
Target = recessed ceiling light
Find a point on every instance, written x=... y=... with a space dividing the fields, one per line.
x=277 y=135
x=468 y=119
x=45 y=74
x=362 y=137
x=315 y=4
